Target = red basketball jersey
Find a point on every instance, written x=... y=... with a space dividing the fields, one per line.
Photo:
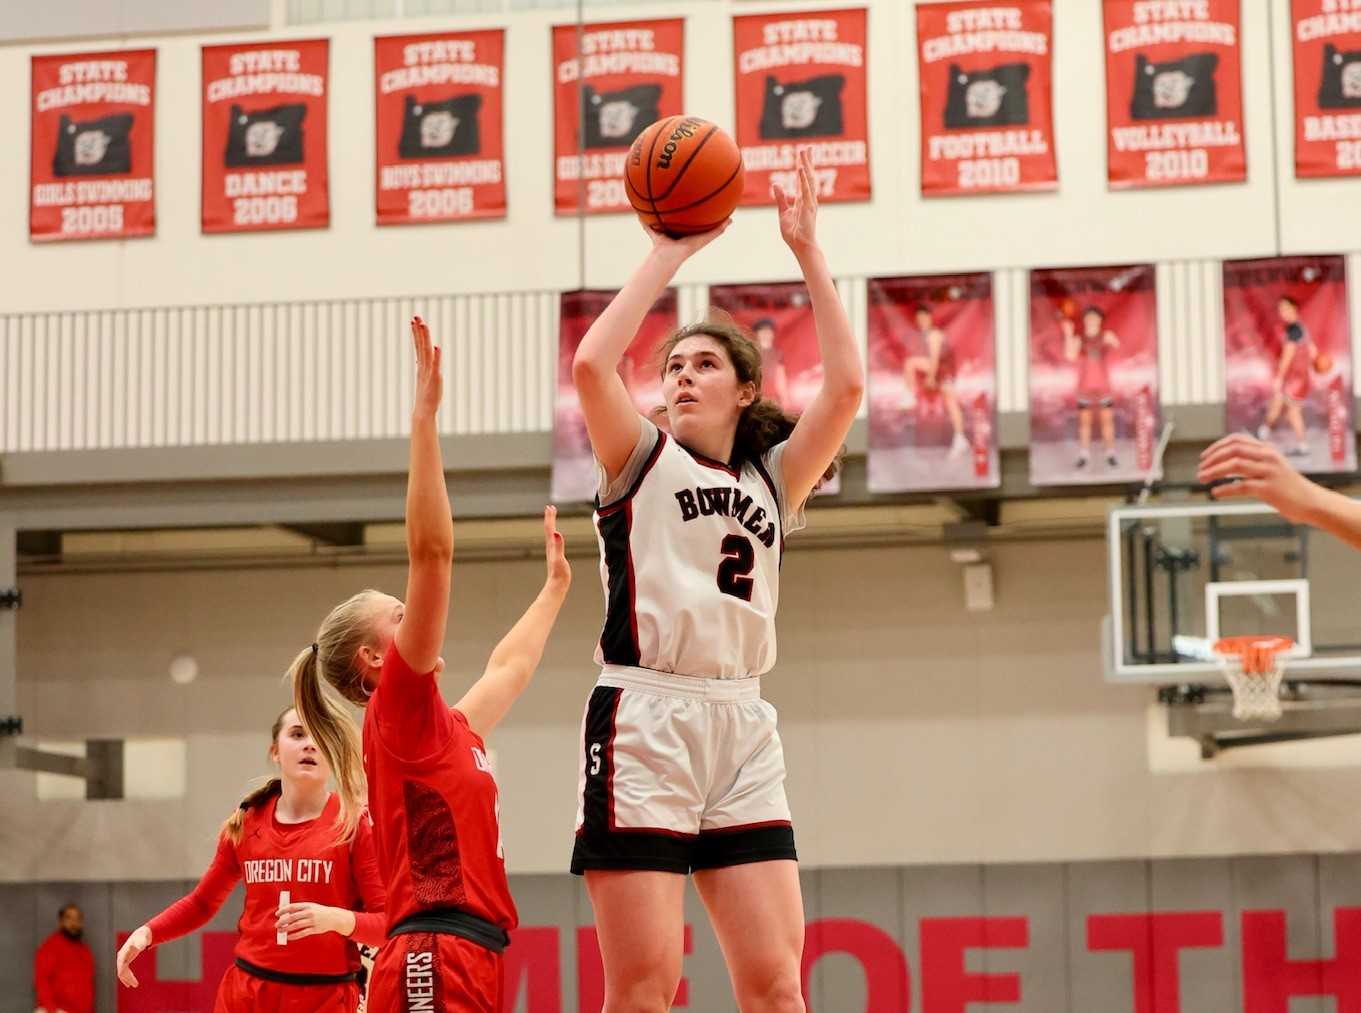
x=433 y=801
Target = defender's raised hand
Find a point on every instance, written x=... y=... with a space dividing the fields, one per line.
x=429 y=378
x=798 y=213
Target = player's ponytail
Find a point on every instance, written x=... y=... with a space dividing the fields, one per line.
x=231 y=826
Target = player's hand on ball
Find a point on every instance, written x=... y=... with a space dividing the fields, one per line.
x=682 y=248
x=1249 y=467
x=799 y=212
x=555 y=553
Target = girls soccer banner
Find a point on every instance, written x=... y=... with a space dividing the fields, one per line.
x=987 y=120
x=779 y=319
x=932 y=384
x=264 y=136
x=1327 y=36
x=625 y=76
x=1288 y=358
x=574 y=469
x=441 y=150
x=92 y=172
x=801 y=83
x=1094 y=406
x=1174 y=94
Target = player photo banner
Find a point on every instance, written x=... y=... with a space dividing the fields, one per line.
x=574 y=468
x=1094 y=405
x=1327 y=36
x=91 y=173
x=1174 y=94
x=932 y=384
x=1288 y=358
x=625 y=76
x=441 y=148
x=779 y=319
x=987 y=121
x=264 y=136
x=801 y=83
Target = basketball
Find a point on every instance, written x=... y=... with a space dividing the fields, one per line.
x=1323 y=362
x=683 y=175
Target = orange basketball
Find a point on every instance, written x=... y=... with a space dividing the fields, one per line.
x=683 y=175
x=1323 y=362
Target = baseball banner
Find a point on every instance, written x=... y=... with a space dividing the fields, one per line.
x=91 y=169
x=932 y=384
x=1327 y=45
x=441 y=149
x=264 y=136
x=1174 y=94
x=801 y=83
x=1288 y=358
x=624 y=76
x=987 y=124
x=574 y=468
x=1094 y=405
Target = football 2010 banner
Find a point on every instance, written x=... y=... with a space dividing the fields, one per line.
x=91 y=172
x=1327 y=41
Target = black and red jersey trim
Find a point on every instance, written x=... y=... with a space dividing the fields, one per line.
x=618 y=504
x=619 y=637
x=709 y=462
x=761 y=470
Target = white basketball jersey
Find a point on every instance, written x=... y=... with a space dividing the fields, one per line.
x=690 y=563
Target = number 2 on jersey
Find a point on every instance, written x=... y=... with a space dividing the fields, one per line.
x=734 y=573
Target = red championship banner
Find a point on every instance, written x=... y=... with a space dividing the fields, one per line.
x=574 y=467
x=264 y=136
x=441 y=148
x=1327 y=36
x=1174 y=93
x=801 y=83
x=1288 y=358
x=779 y=318
x=987 y=119
x=625 y=76
x=933 y=384
x=1094 y=405
x=92 y=171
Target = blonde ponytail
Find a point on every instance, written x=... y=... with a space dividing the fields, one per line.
x=231 y=826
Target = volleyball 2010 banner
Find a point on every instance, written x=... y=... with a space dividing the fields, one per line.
x=1327 y=50
x=440 y=143
x=91 y=172
x=264 y=136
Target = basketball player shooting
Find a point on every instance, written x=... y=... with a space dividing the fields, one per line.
x=1291 y=384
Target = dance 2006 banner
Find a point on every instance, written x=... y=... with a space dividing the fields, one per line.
x=92 y=172
x=441 y=152
x=1327 y=37
x=1174 y=93
x=1288 y=358
x=1094 y=403
x=987 y=120
x=625 y=76
x=264 y=136
x=932 y=384
x=801 y=83
x=574 y=468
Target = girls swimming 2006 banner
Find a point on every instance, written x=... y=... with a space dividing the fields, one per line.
x=1174 y=93
x=574 y=467
x=933 y=384
x=441 y=150
x=1327 y=39
x=626 y=75
x=91 y=172
x=1288 y=358
x=264 y=136
x=801 y=83
x=1094 y=403
x=987 y=121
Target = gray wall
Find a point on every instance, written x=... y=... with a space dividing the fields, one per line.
x=87 y=19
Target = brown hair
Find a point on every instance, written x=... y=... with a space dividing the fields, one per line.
x=231 y=826
x=763 y=423
x=323 y=671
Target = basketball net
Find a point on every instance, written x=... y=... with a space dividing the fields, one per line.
x=1254 y=666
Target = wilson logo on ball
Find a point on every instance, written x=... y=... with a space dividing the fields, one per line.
x=687 y=128
x=683 y=175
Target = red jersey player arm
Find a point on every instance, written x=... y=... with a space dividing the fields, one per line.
x=198 y=907
x=369 y=924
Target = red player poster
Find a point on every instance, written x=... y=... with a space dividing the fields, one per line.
x=574 y=468
x=801 y=82
x=932 y=384
x=1288 y=358
x=1327 y=36
x=91 y=172
x=1094 y=403
x=264 y=136
x=1174 y=94
x=987 y=122
x=623 y=77
x=780 y=320
x=441 y=151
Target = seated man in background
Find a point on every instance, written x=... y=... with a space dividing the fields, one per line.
x=64 y=968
